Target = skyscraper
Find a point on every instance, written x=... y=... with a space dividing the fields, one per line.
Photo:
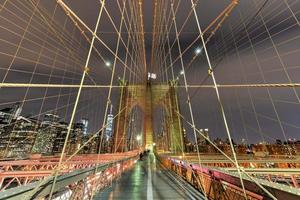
x=7 y=115
x=85 y=123
x=109 y=125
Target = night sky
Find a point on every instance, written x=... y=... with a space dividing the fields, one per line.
x=250 y=47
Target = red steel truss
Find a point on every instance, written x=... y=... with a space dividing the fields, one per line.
x=21 y=172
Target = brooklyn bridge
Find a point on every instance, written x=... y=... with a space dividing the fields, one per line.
x=150 y=99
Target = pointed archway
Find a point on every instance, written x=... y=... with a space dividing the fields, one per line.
x=148 y=97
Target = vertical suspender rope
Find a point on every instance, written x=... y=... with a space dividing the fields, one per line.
x=64 y=6
x=187 y=93
x=114 y=147
x=221 y=105
x=11 y=64
x=218 y=96
x=292 y=12
x=129 y=100
x=77 y=100
x=245 y=79
x=229 y=158
x=108 y=102
x=286 y=74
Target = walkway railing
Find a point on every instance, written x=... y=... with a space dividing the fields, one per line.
x=80 y=178
x=220 y=183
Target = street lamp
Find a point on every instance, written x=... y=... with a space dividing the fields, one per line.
x=107 y=64
x=198 y=50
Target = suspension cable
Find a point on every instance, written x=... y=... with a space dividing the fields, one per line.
x=218 y=96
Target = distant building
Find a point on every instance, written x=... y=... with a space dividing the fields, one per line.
x=20 y=136
x=7 y=115
x=17 y=133
x=109 y=125
x=61 y=130
x=49 y=135
x=49 y=119
x=75 y=139
x=52 y=134
x=92 y=145
x=274 y=149
x=17 y=138
x=85 y=123
x=200 y=139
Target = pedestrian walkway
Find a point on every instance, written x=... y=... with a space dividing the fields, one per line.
x=147 y=180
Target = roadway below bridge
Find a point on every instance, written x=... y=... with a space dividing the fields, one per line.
x=148 y=179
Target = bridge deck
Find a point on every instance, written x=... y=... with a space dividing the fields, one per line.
x=147 y=180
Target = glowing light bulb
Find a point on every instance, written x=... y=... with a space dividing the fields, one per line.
x=198 y=50
x=107 y=64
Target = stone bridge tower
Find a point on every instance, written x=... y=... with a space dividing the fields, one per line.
x=148 y=97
